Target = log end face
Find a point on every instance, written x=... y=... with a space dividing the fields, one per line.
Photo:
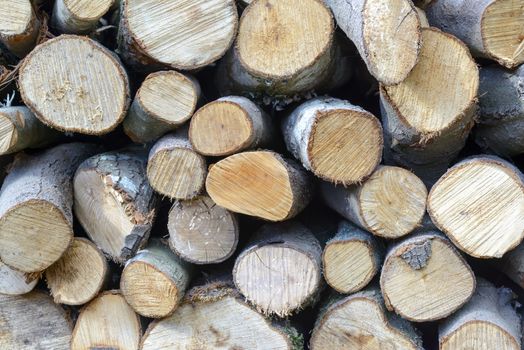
x=17 y=16
x=481 y=335
x=8 y=134
x=88 y=10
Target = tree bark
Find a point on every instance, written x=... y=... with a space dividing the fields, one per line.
x=79 y=17
x=20 y=27
x=512 y=265
x=14 y=282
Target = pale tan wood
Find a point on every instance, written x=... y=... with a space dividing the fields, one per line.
x=14 y=282
x=423 y=18
x=79 y=16
x=19 y=27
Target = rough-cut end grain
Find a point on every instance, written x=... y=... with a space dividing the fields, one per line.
x=479 y=335
x=79 y=275
x=88 y=9
x=272 y=36
x=16 y=17
x=14 y=282
x=8 y=134
x=74 y=84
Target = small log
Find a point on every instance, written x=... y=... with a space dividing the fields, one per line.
x=14 y=282
x=19 y=28
x=424 y=278
x=351 y=259
x=79 y=16
x=174 y=169
x=79 y=275
x=428 y=116
x=390 y=204
x=114 y=202
x=279 y=271
x=488 y=321
x=164 y=101
x=74 y=84
x=202 y=232
x=479 y=205
x=512 y=265
x=215 y=316
x=33 y=322
x=230 y=125
x=360 y=321
x=491 y=28
x=261 y=184
x=337 y=141
x=107 y=322
x=36 y=207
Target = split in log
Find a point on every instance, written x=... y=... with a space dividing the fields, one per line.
x=114 y=202
x=74 y=84
x=19 y=28
x=202 y=232
x=79 y=275
x=261 y=184
x=390 y=204
x=14 y=282
x=165 y=100
x=79 y=16
x=36 y=207
x=424 y=278
x=479 y=205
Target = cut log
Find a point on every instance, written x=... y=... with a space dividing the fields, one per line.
x=230 y=125
x=390 y=204
x=337 y=141
x=14 y=282
x=280 y=269
x=202 y=232
x=215 y=316
x=501 y=123
x=488 y=321
x=33 y=322
x=424 y=278
x=36 y=207
x=79 y=275
x=74 y=84
x=360 y=321
x=479 y=205
x=20 y=27
x=351 y=259
x=107 y=322
x=155 y=280
x=261 y=184
x=174 y=169
x=165 y=100
x=114 y=202
x=386 y=34
x=491 y=28
x=428 y=116
x=182 y=34
x=512 y=265
x=79 y=16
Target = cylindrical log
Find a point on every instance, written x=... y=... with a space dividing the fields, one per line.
x=390 y=204
x=424 y=278
x=280 y=269
x=107 y=322
x=74 y=84
x=261 y=184
x=155 y=280
x=337 y=141
x=229 y=125
x=164 y=101
x=174 y=168
x=488 y=321
x=202 y=232
x=512 y=265
x=14 y=282
x=79 y=275
x=491 y=28
x=20 y=27
x=79 y=16
x=114 y=202
x=479 y=205
x=428 y=116
x=36 y=207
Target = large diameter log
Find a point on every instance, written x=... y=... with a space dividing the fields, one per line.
x=479 y=205
x=79 y=275
x=33 y=322
x=114 y=202
x=79 y=16
x=428 y=116
x=107 y=322
x=230 y=125
x=337 y=141
x=36 y=207
x=424 y=278
x=74 y=84
x=14 y=282
x=164 y=101
x=202 y=232
x=390 y=204
x=19 y=28
x=488 y=321
x=491 y=28
x=360 y=321
x=280 y=269
x=215 y=316
x=261 y=184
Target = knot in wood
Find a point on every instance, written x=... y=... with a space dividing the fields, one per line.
x=417 y=255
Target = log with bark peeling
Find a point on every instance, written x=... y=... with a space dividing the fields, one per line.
x=79 y=16
x=19 y=27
